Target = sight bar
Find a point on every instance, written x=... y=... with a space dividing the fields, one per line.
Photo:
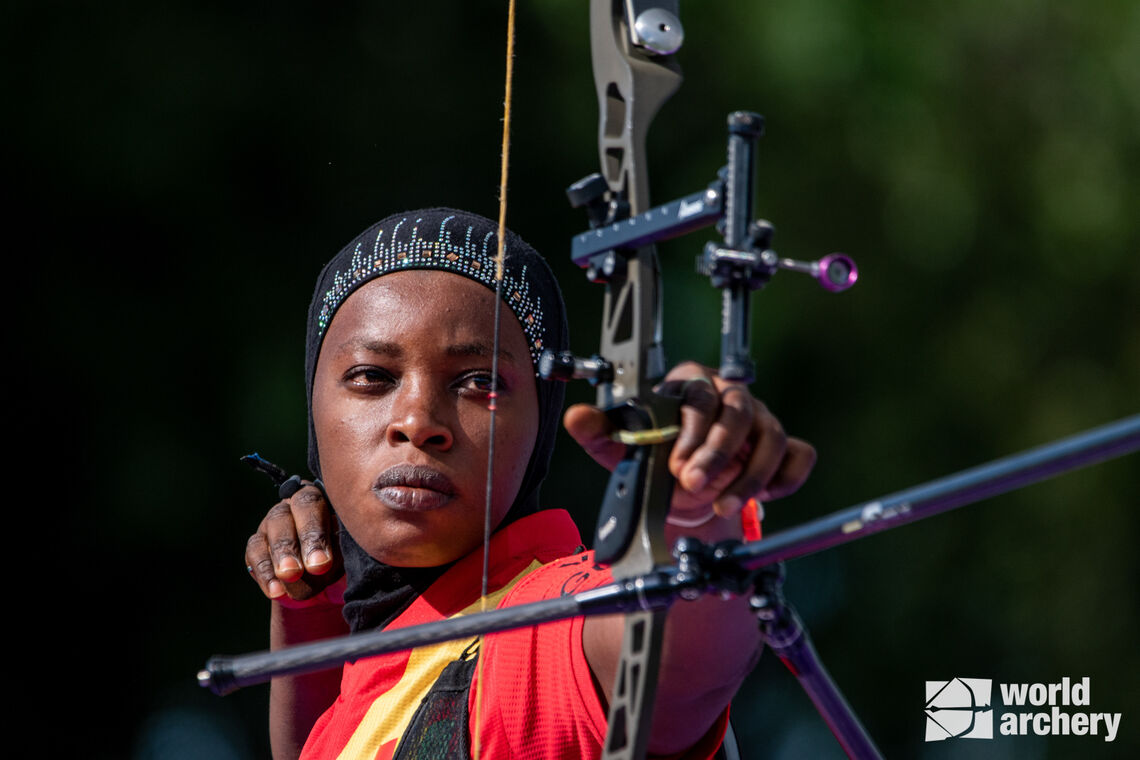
x=659 y=223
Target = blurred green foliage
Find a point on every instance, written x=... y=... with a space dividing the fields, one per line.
x=179 y=173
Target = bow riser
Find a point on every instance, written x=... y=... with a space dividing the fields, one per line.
x=631 y=87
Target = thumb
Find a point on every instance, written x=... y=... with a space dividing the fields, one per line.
x=589 y=426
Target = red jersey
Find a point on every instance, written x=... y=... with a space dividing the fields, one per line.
x=532 y=696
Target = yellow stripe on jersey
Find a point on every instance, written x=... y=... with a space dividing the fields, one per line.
x=391 y=712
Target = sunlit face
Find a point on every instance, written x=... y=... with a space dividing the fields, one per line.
x=400 y=401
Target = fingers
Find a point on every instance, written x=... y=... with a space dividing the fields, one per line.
x=313 y=521
x=731 y=447
x=720 y=435
x=698 y=412
x=589 y=427
x=260 y=566
x=293 y=540
x=799 y=459
x=716 y=425
x=762 y=464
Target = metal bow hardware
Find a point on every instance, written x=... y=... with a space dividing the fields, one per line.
x=632 y=43
x=634 y=74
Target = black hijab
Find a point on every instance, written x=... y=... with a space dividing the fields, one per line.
x=465 y=244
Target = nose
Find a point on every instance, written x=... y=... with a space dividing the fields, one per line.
x=419 y=419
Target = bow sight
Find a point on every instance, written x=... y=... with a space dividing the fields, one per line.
x=744 y=263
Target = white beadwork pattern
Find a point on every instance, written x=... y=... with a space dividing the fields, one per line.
x=474 y=259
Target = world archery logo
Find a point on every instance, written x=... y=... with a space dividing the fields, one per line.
x=959 y=709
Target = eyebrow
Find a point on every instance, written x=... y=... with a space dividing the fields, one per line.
x=393 y=349
x=479 y=349
x=384 y=347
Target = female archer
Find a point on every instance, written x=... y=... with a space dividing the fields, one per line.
x=399 y=374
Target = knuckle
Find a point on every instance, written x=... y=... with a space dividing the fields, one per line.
x=804 y=457
x=772 y=428
x=750 y=486
x=279 y=510
x=699 y=395
x=254 y=544
x=806 y=451
x=688 y=369
x=283 y=547
x=309 y=495
x=263 y=569
x=313 y=538
x=735 y=414
x=737 y=400
x=741 y=394
x=702 y=400
x=714 y=460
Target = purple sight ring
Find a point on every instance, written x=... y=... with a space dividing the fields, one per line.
x=836 y=272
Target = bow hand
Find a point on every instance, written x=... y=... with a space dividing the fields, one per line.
x=730 y=447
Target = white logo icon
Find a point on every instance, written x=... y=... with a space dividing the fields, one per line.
x=688 y=209
x=959 y=708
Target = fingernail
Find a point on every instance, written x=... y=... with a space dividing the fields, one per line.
x=288 y=565
x=276 y=589
x=763 y=496
x=696 y=481
x=317 y=557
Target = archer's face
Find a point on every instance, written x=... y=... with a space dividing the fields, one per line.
x=400 y=409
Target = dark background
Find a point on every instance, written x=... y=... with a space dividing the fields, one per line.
x=179 y=172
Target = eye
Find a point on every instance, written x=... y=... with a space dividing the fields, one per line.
x=368 y=377
x=478 y=381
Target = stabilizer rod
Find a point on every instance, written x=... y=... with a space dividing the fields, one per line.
x=1007 y=474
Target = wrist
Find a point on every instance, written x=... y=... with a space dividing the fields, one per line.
x=709 y=526
x=307 y=620
x=331 y=596
x=686 y=521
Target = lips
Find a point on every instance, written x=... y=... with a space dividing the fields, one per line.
x=413 y=488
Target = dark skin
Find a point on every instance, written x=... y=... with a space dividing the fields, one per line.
x=399 y=406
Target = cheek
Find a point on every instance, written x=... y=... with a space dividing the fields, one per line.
x=517 y=436
x=345 y=434
x=514 y=442
x=521 y=440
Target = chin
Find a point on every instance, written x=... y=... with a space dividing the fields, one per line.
x=417 y=551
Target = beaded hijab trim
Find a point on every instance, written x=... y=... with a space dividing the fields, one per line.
x=474 y=259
